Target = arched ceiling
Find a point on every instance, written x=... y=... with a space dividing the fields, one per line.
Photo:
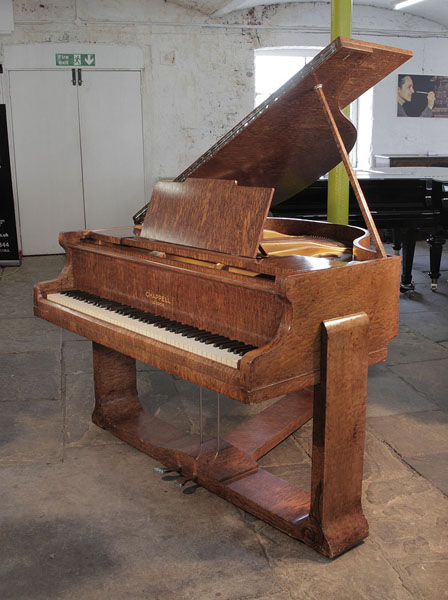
x=434 y=10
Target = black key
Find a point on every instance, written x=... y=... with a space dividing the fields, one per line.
x=194 y=332
x=204 y=336
x=161 y=322
x=136 y=315
x=90 y=299
x=179 y=328
x=230 y=344
x=133 y=313
x=183 y=329
x=148 y=318
x=213 y=341
x=123 y=307
x=111 y=306
x=243 y=350
x=173 y=326
x=127 y=311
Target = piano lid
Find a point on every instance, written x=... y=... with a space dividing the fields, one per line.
x=286 y=143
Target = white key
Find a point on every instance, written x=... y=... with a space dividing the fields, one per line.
x=162 y=335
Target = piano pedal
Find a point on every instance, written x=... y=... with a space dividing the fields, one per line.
x=190 y=489
x=165 y=470
x=182 y=481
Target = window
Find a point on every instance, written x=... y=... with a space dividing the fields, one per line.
x=274 y=66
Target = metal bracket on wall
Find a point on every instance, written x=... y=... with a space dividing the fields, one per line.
x=79 y=77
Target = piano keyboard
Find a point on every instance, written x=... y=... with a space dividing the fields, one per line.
x=198 y=341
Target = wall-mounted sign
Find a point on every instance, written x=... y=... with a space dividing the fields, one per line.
x=422 y=96
x=75 y=60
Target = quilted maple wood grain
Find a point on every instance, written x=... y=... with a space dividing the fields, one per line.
x=182 y=294
x=282 y=317
x=289 y=145
x=208 y=214
x=285 y=143
x=330 y=519
x=317 y=323
x=256 y=436
x=301 y=352
x=338 y=434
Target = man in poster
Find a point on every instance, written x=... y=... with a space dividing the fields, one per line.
x=405 y=93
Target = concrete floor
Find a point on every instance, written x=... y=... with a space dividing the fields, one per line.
x=84 y=516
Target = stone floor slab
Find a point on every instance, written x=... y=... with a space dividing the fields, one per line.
x=412 y=347
x=288 y=453
x=429 y=378
x=433 y=467
x=427 y=579
x=29 y=376
x=414 y=434
x=142 y=537
x=313 y=577
x=430 y=324
x=390 y=394
x=28 y=334
x=79 y=404
x=381 y=463
x=16 y=300
x=77 y=356
x=31 y=432
x=37 y=268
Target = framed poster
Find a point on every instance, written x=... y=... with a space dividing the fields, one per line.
x=422 y=96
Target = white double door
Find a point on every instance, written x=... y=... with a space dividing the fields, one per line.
x=78 y=152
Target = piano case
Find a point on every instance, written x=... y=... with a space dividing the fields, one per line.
x=296 y=312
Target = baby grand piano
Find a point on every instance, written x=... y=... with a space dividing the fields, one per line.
x=211 y=290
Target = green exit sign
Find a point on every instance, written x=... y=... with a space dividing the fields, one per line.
x=75 y=60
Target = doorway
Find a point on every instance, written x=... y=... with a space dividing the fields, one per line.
x=78 y=148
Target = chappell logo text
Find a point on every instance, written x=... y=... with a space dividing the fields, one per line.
x=158 y=298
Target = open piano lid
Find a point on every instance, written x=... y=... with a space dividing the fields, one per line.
x=286 y=143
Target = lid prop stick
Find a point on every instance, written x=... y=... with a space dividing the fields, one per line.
x=351 y=174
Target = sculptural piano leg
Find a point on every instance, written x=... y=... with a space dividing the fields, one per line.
x=336 y=513
x=330 y=519
x=115 y=386
x=407 y=286
x=118 y=409
x=436 y=243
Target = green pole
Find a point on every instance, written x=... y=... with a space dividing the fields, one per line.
x=338 y=183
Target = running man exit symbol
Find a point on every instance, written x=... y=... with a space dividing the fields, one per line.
x=75 y=60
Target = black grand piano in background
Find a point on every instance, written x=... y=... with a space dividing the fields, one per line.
x=405 y=208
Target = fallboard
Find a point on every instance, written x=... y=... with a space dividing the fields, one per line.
x=235 y=310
